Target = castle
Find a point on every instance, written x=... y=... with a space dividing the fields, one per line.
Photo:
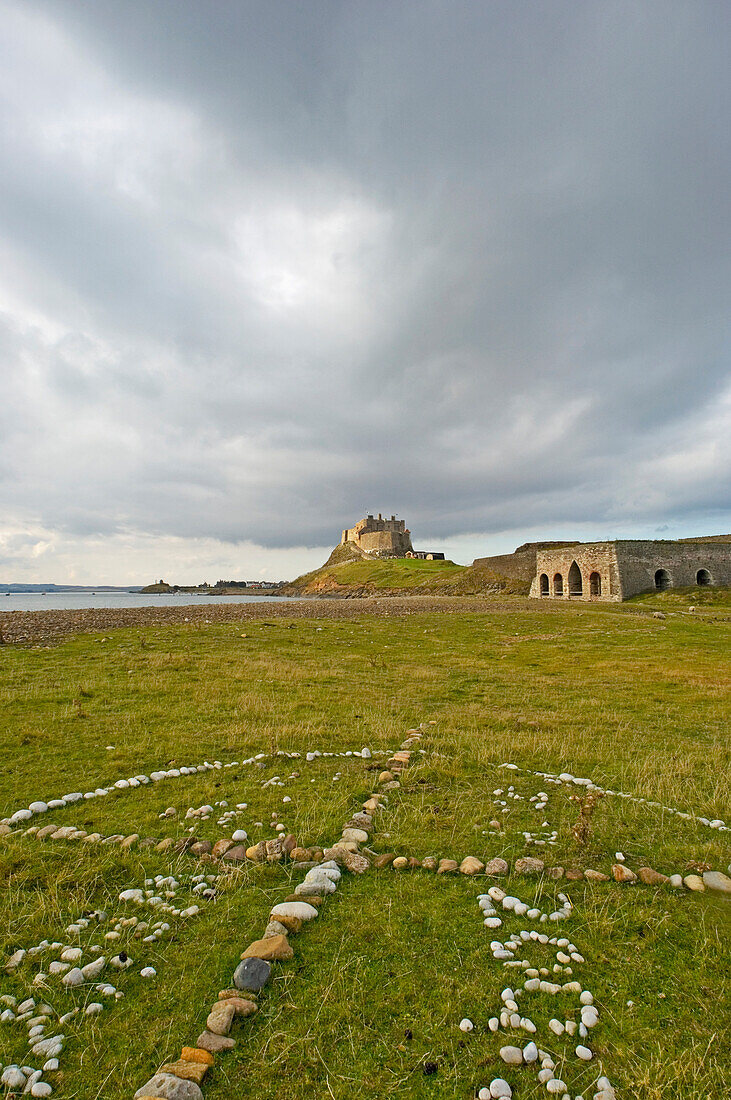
x=385 y=538
x=380 y=538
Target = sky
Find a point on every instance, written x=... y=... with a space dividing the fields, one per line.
x=266 y=267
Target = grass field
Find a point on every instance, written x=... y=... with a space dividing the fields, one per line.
x=382 y=978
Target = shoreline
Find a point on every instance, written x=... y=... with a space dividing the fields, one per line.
x=44 y=627
x=23 y=628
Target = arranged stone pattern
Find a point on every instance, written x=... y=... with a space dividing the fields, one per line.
x=181 y=1079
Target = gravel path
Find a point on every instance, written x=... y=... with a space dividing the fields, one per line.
x=45 y=627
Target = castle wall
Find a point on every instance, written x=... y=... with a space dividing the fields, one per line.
x=381 y=537
x=626 y=568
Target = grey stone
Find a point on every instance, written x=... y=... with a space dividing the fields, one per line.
x=252 y=974
x=166 y=1087
x=716 y=880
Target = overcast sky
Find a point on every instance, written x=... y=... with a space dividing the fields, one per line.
x=266 y=267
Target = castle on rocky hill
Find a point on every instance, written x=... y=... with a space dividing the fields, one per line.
x=384 y=538
x=380 y=538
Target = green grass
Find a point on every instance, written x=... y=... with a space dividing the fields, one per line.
x=636 y=703
x=409 y=575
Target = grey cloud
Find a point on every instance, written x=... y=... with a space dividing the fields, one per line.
x=271 y=265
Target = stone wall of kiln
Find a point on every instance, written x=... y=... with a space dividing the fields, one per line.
x=639 y=561
x=626 y=568
x=520 y=566
x=591 y=558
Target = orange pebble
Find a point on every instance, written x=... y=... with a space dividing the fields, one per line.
x=196 y=1054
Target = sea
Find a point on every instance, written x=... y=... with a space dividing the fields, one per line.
x=77 y=601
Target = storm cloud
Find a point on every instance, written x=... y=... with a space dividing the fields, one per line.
x=267 y=266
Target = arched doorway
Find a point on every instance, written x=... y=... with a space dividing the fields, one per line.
x=662 y=580
x=703 y=577
x=576 y=587
x=544 y=584
x=595 y=584
x=558 y=585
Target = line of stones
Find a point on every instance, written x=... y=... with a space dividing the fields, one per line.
x=181 y=1079
x=528 y=865
x=40 y=807
x=568 y=779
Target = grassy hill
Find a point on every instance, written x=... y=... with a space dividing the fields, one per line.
x=403 y=575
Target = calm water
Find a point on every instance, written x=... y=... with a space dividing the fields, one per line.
x=76 y=601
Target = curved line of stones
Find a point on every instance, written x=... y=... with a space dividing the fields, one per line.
x=26 y=813
x=181 y=1079
x=511 y=1018
x=569 y=780
x=36 y=1017
x=77 y=977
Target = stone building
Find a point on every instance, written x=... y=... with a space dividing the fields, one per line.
x=623 y=568
x=380 y=538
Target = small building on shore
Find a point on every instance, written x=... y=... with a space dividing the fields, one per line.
x=616 y=570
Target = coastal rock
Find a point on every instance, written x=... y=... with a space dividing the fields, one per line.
x=215 y=1044
x=164 y=1086
x=276 y=928
x=716 y=880
x=354 y=862
x=527 y=865
x=186 y=1071
x=272 y=948
x=497 y=866
x=274 y=849
x=651 y=877
x=252 y=974
x=197 y=1054
x=447 y=866
x=200 y=848
x=220 y=1018
x=257 y=853
x=241 y=1005
x=236 y=854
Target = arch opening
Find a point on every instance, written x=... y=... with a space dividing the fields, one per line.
x=576 y=586
x=544 y=584
x=558 y=585
x=595 y=584
x=703 y=577
x=662 y=580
